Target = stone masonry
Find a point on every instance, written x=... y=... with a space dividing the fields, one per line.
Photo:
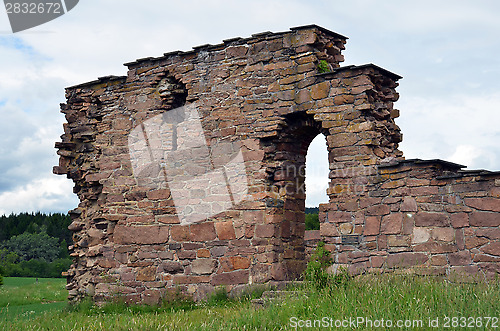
x=271 y=94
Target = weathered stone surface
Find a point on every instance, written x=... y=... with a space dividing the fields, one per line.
x=180 y=233
x=400 y=260
x=459 y=220
x=231 y=278
x=171 y=267
x=203 y=231
x=436 y=248
x=421 y=235
x=473 y=241
x=225 y=230
x=484 y=219
x=147 y=274
x=492 y=248
x=150 y=234
x=346 y=228
x=328 y=230
x=372 y=226
x=431 y=219
x=489 y=204
x=460 y=258
x=234 y=263
x=203 y=266
x=392 y=224
x=409 y=204
x=443 y=234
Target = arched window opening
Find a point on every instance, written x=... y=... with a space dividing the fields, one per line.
x=316 y=180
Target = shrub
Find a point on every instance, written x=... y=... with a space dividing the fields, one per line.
x=323 y=66
x=315 y=272
x=1 y=280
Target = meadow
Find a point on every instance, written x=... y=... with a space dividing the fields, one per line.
x=29 y=305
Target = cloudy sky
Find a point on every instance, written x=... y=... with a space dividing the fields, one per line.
x=447 y=52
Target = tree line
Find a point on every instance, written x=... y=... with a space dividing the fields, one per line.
x=34 y=245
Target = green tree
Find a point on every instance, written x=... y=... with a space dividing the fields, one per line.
x=30 y=246
x=312 y=222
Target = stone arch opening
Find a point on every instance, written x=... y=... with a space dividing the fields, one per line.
x=317 y=169
x=286 y=184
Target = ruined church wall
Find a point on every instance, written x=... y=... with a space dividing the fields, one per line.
x=265 y=97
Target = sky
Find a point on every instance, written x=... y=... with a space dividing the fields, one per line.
x=446 y=51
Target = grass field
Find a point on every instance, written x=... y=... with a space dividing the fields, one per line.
x=27 y=305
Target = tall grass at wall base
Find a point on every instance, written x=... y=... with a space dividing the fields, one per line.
x=395 y=297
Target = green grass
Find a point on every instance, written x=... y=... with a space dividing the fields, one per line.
x=25 y=297
x=387 y=297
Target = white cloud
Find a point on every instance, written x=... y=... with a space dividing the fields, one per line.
x=458 y=128
x=51 y=194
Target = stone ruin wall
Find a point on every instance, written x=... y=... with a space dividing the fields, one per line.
x=266 y=94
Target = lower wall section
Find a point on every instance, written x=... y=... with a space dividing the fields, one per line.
x=423 y=216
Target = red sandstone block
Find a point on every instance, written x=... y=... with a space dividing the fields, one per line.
x=158 y=194
x=230 y=278
x=112 y=198
x=492 y=248
x=485 y=258
x=377 y=261
x=203 y=231
x=180 y=233
x=406 y=259
x=372 y=226
x=202 y=253
x=265 y=230
x=431 y=219
x=152 y=296
x=490 y=233
x=146 y=274
x=439 y=260
x=225 y=230
x=460 y=239
x=378 y=210
x=460 y=258
x=408 y=222
x=328 y=230
x=409 y=204
x=424 y=190
x=312 y=235
x=168 y=219
x=182 y=279
x=443 y=234
x=145 y=219
x=234 y=263
x=189 y=255
x=459 y=220
x=339 y=217
x=486 y=203
x=392 y=224
x=435 y=248
x=151 y=234
x=484 y=219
